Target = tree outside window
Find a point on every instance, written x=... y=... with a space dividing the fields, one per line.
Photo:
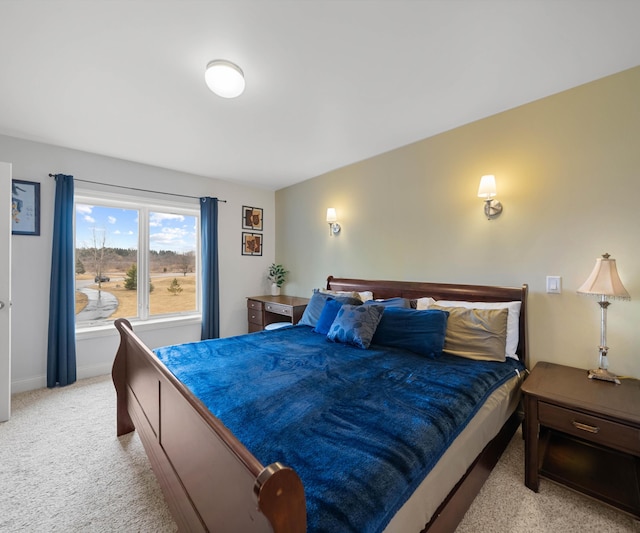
x=120 y=243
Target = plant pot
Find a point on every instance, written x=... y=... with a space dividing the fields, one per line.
x=275 y=290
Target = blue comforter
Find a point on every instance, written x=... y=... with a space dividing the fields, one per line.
x=362 y=428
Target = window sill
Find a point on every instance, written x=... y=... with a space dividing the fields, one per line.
x=108 y=330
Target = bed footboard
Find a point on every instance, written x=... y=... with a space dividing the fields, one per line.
x=209 y=479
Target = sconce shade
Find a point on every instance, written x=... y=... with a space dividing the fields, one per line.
x=487 y=187
x=224 y=78
x=487 y=191
x=604 y=280
x=332 y=219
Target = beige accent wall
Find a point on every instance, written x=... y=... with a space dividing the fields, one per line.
x=567 y=169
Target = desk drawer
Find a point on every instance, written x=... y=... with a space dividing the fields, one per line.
x=254 y=317
x=591 y=428
x=255 y=305
x=278 y=309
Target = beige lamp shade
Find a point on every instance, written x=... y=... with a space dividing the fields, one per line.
x=604 y=280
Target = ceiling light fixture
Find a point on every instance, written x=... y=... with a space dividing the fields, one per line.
x=224 y=78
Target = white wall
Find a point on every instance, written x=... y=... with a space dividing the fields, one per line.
x=240 y=276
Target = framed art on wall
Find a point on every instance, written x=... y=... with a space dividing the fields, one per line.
x=251 y=243
x=25 y=207
x=251 y=218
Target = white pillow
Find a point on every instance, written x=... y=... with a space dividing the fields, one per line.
x=365 y=296
x=424 y=303
x=513 y=319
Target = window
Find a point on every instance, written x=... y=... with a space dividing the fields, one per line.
x=134 y=260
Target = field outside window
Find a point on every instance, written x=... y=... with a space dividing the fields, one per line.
x=134 y=262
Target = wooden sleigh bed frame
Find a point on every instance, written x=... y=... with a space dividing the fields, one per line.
x=211 y=482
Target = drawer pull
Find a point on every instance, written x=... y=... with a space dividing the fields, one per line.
x=585 y=427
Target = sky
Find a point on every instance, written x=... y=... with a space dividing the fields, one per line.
x=118 y=228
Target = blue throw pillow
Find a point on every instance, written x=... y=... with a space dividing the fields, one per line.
x=422 y=332
x=316 y=305
x=390 y=302
x=328 y=315
x=355 y=324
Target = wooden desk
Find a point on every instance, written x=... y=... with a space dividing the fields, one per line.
x=584 y=434
x=265 y=310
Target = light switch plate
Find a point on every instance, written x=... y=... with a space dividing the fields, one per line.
x=554 y=284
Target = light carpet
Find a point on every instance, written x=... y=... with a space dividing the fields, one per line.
x=63 y=469
x=505 y=505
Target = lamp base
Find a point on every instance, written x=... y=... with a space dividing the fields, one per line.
x=604 y=375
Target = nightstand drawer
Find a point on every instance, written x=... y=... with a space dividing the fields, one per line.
x=591 y=428
x=254 y=317
x=278 y=309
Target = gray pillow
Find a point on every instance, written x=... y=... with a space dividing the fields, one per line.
x=356 y=324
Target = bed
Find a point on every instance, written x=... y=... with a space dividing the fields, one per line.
x=212 y=482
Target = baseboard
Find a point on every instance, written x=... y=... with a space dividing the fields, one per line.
x=40 y=382
x=24 y=385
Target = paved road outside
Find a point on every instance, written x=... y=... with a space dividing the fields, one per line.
x=101 y=305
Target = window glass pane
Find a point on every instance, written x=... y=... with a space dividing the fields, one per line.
x=172 y=263
x=106 y=261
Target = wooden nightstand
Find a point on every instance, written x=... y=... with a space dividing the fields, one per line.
x=584 y=434
x=265 y=310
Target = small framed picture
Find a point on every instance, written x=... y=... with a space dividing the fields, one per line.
x=25 y=207
x=251 y=243
x=251 y=218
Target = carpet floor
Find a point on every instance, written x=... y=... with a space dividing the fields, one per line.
x=63 y=469
x=505 y=505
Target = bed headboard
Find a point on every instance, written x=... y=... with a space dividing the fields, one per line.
x=442 y=291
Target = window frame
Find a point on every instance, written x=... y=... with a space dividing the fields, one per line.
x=144 y=206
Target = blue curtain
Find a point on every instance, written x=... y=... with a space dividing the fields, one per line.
x=209 y=246
x=61 y=351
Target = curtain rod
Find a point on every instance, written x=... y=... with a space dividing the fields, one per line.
x=136 y=189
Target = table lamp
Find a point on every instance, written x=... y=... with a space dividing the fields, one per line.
x=604 y=283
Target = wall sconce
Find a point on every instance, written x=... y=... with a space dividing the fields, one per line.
x=334 y=227
x=487 y=190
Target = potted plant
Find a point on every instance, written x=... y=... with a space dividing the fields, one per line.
x=277 y=276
